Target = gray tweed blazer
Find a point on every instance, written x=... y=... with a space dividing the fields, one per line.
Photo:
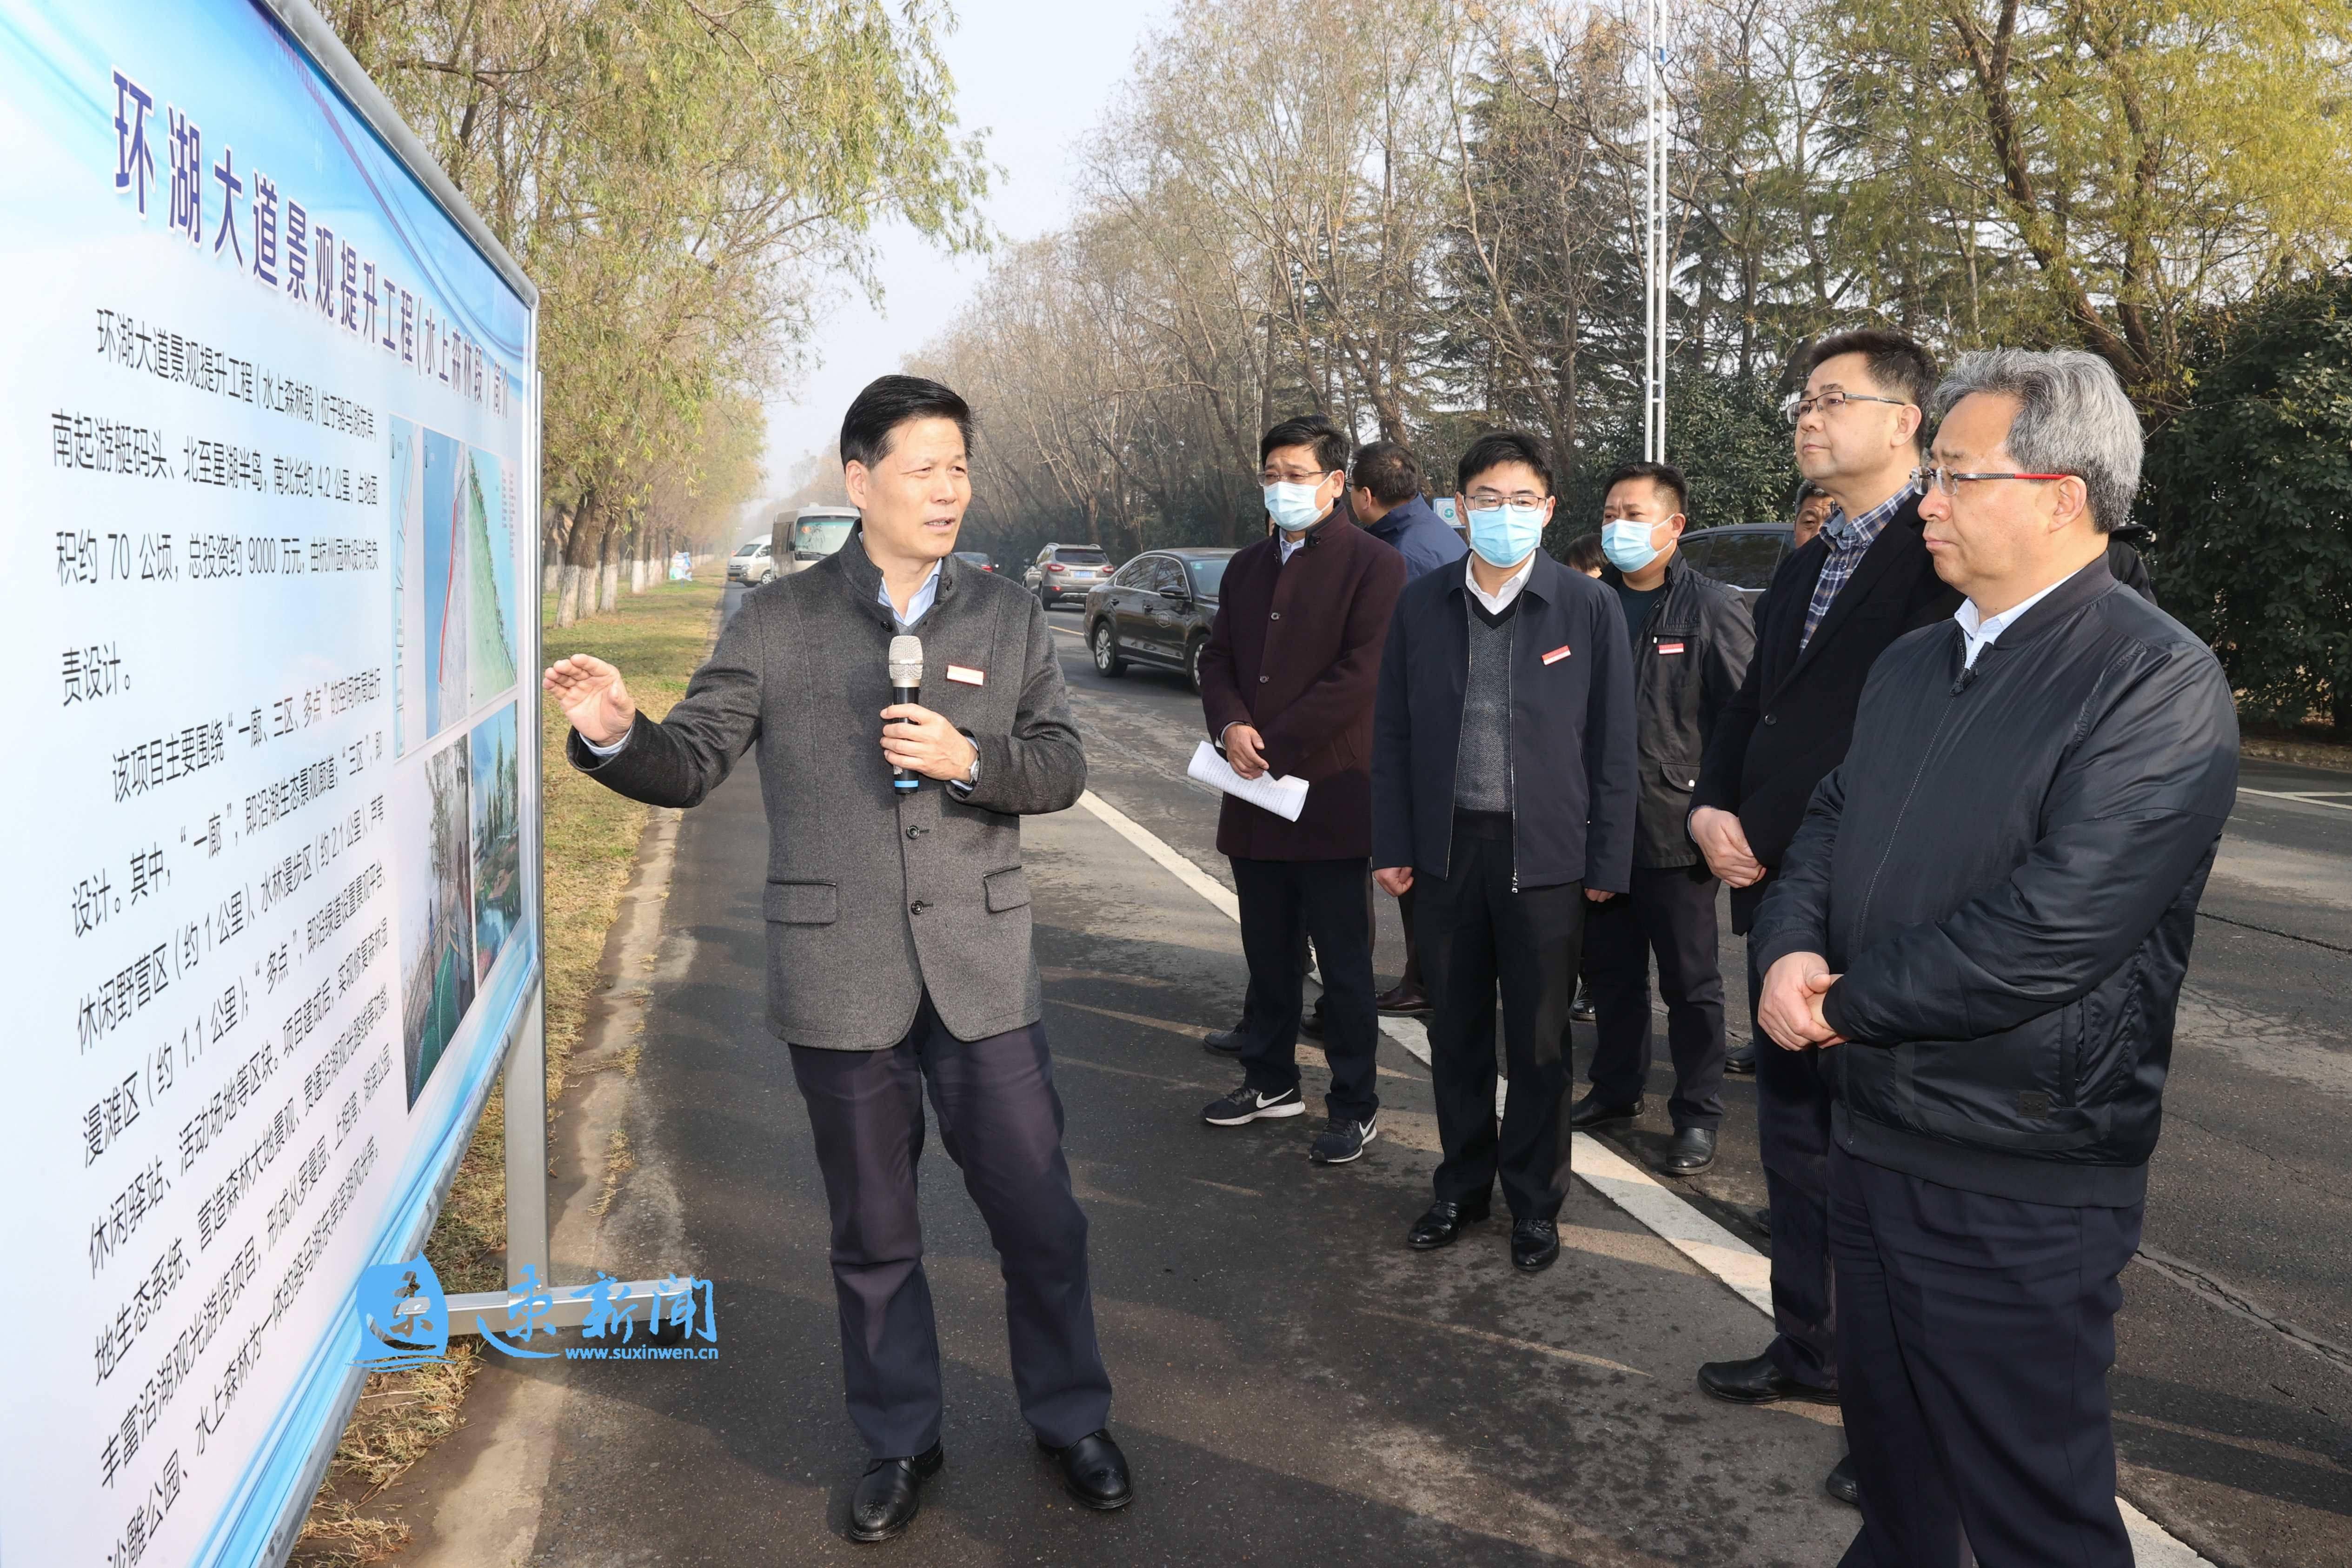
x=874 y=895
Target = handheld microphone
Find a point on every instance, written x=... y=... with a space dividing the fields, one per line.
x=906 y=685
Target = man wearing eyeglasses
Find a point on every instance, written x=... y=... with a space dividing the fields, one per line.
x=1833 y=607
x=1286 y=684
x=1504 y=796
x=1980 y=928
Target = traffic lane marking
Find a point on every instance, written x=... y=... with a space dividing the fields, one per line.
x=2301 y=797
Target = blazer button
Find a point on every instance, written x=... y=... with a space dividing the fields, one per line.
x=1264 y=679
x=1769 y=719
x=917 y=832
x=1274 y=615
x=919 y=906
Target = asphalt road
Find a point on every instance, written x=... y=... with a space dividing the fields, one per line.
x=2234 y=1387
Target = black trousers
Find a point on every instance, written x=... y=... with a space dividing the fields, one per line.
x=1002 y=1123
x=1478 y=935
x=1412 y=977
x=1669 y=911
x=1283 y=903
x=1792 y=1131
x=1975 y=1334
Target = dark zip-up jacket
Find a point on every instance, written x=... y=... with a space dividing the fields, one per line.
x=2004 y=872
x=1571 y=730
x=1689 y=659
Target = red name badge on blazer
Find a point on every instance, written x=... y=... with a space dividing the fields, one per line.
x=1556 y=654
x=1669 y=647
x=969 y=675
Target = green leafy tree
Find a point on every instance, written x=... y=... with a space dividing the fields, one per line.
x=2250 y=491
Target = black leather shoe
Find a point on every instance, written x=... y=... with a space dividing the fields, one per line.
x=1843 y=1485
x=890 y=1494
x=1094 y=1471
x=1580 y=1010
x=1535 y=1245
x=1403 y=999
x=1758 y=1381
x=1740 y=1060
x=1692 y=1151
x=1591 y=1113
x=1440 y=1225
x=1222 y=1042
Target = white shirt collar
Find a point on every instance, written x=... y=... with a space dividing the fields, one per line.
x=1497 y=601
x=1981 y=631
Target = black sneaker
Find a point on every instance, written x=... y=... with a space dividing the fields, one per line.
x=1246 y=1105
x=1342 y=1140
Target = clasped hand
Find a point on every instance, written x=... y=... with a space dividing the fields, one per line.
x=1791 y=1008
x=925 y=743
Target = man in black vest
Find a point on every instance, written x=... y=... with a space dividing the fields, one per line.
x=1833 y=606
x=1691 y=644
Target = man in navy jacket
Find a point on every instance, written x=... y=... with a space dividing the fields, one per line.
x=1503 y=795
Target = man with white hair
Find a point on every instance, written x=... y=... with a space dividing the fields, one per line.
x=1982 y=925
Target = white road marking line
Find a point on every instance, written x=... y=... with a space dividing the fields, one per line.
x=2305 y=799
x=1741 y=1268
x=1175 y=865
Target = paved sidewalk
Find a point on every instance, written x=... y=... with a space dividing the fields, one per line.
x=1293 y=1385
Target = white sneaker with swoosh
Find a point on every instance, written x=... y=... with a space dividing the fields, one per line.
x=1246 y=1104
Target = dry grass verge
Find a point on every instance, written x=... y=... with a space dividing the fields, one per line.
x=658 y=639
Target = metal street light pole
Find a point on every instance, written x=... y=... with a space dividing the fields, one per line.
x=1654 y=263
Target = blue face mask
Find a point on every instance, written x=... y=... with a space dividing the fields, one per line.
x=1627 y=545
x=1293 y=507
x=1503 y=535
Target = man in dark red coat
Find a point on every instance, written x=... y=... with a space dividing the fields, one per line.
x=1286 y=684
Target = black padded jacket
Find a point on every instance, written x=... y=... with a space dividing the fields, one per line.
x=2005 y=871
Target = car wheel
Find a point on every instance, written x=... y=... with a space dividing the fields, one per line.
x=1192 y=662
x=1108 y=659
x=1043 y=601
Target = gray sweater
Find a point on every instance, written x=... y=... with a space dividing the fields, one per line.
x=873 y=896
x=1482 y=768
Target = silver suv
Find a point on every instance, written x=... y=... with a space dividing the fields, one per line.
x=1065 y=570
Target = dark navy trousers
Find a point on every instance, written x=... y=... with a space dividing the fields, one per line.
x=1792 y=1132
x=1974 y=1339
x=1002 y=1123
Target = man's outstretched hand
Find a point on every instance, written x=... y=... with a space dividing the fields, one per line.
x=594 y=698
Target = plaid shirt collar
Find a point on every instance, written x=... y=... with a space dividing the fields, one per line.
x=1855 y=535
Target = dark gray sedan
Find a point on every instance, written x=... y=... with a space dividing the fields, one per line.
x=1157 y=609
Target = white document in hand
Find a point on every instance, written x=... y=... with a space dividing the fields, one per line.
x=1285 y=796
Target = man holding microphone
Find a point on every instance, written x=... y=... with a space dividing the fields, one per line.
x=898 y=921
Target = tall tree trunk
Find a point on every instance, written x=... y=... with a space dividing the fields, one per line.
x=574 y=592
x=551 y=549
x=608 y=570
